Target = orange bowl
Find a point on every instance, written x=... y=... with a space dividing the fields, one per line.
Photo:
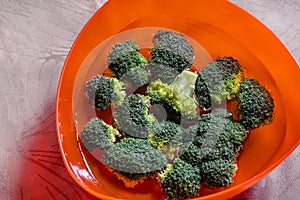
x=215 y=28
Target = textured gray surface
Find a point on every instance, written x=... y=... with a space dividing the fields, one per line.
x=35 y=37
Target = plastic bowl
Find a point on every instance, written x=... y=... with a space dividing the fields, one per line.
x=218 y=28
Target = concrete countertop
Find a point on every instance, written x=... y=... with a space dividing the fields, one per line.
x=35 y=37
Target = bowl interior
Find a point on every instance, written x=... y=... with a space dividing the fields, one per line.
x=210 y=40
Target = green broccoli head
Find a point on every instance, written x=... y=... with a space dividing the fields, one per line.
x=180 y=180
x=125 y=61
x=133 y=117
x=189 y=134
x=165 y=136
x=218 y=81
x=221 y=112
x=172 y=50
x=163 y=133
x=171 y=99
x=215 y=147
x=202 y=93
x=135 y=158
x=105 y=91
x=96 y=134
x=191 y=154
x=218 y=127
x=216 y=136
x=255 y=104
x=218 y=173
x=163 y=73
x=135 y=77
x=212 y=150
x=218 y=115
x=202 y=150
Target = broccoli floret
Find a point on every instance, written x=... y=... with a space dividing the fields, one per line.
x=212 y=150
x=162 y=133
x=175 y=99
x=218 y=173
x=172 y=50
x=218 y=126
x=162 y=73
x=170 y=97
x=217 y=137
x=221 y=112
x=218 y=81
x=135 y=77
x=133 y=117
x=180 y=180
x=105 y=91
x=165 y=136
x=96 y=134
x=255 y=104
x=189 y=134
x=135 y=159
x=201 y=150
x=191 y=154
x=128 y=65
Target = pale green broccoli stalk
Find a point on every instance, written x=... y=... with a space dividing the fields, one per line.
x=172 y=99
x=185 y=82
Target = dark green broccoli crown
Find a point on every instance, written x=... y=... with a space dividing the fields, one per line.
x=120 y=49
x=189 y=134
x=104 y=91
x=136 y=77
x=163 y=73
x=134 y=158
x=96 y=134
x=181 y=180
x=132 y=117
x=191 y=154
x=216 y=136
x=212 y=150
x=205 y=148
x=212 y=119
x=125 y=56
x=256 y=105
x=234 y=133
x=220 y=128
x=172 y=50
x=165 y=136
x=202 y=93
x=218 y=173
x=221 y=112
x=164 y=133
x=218 y=81
x=229 y=65
x=215 y=147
